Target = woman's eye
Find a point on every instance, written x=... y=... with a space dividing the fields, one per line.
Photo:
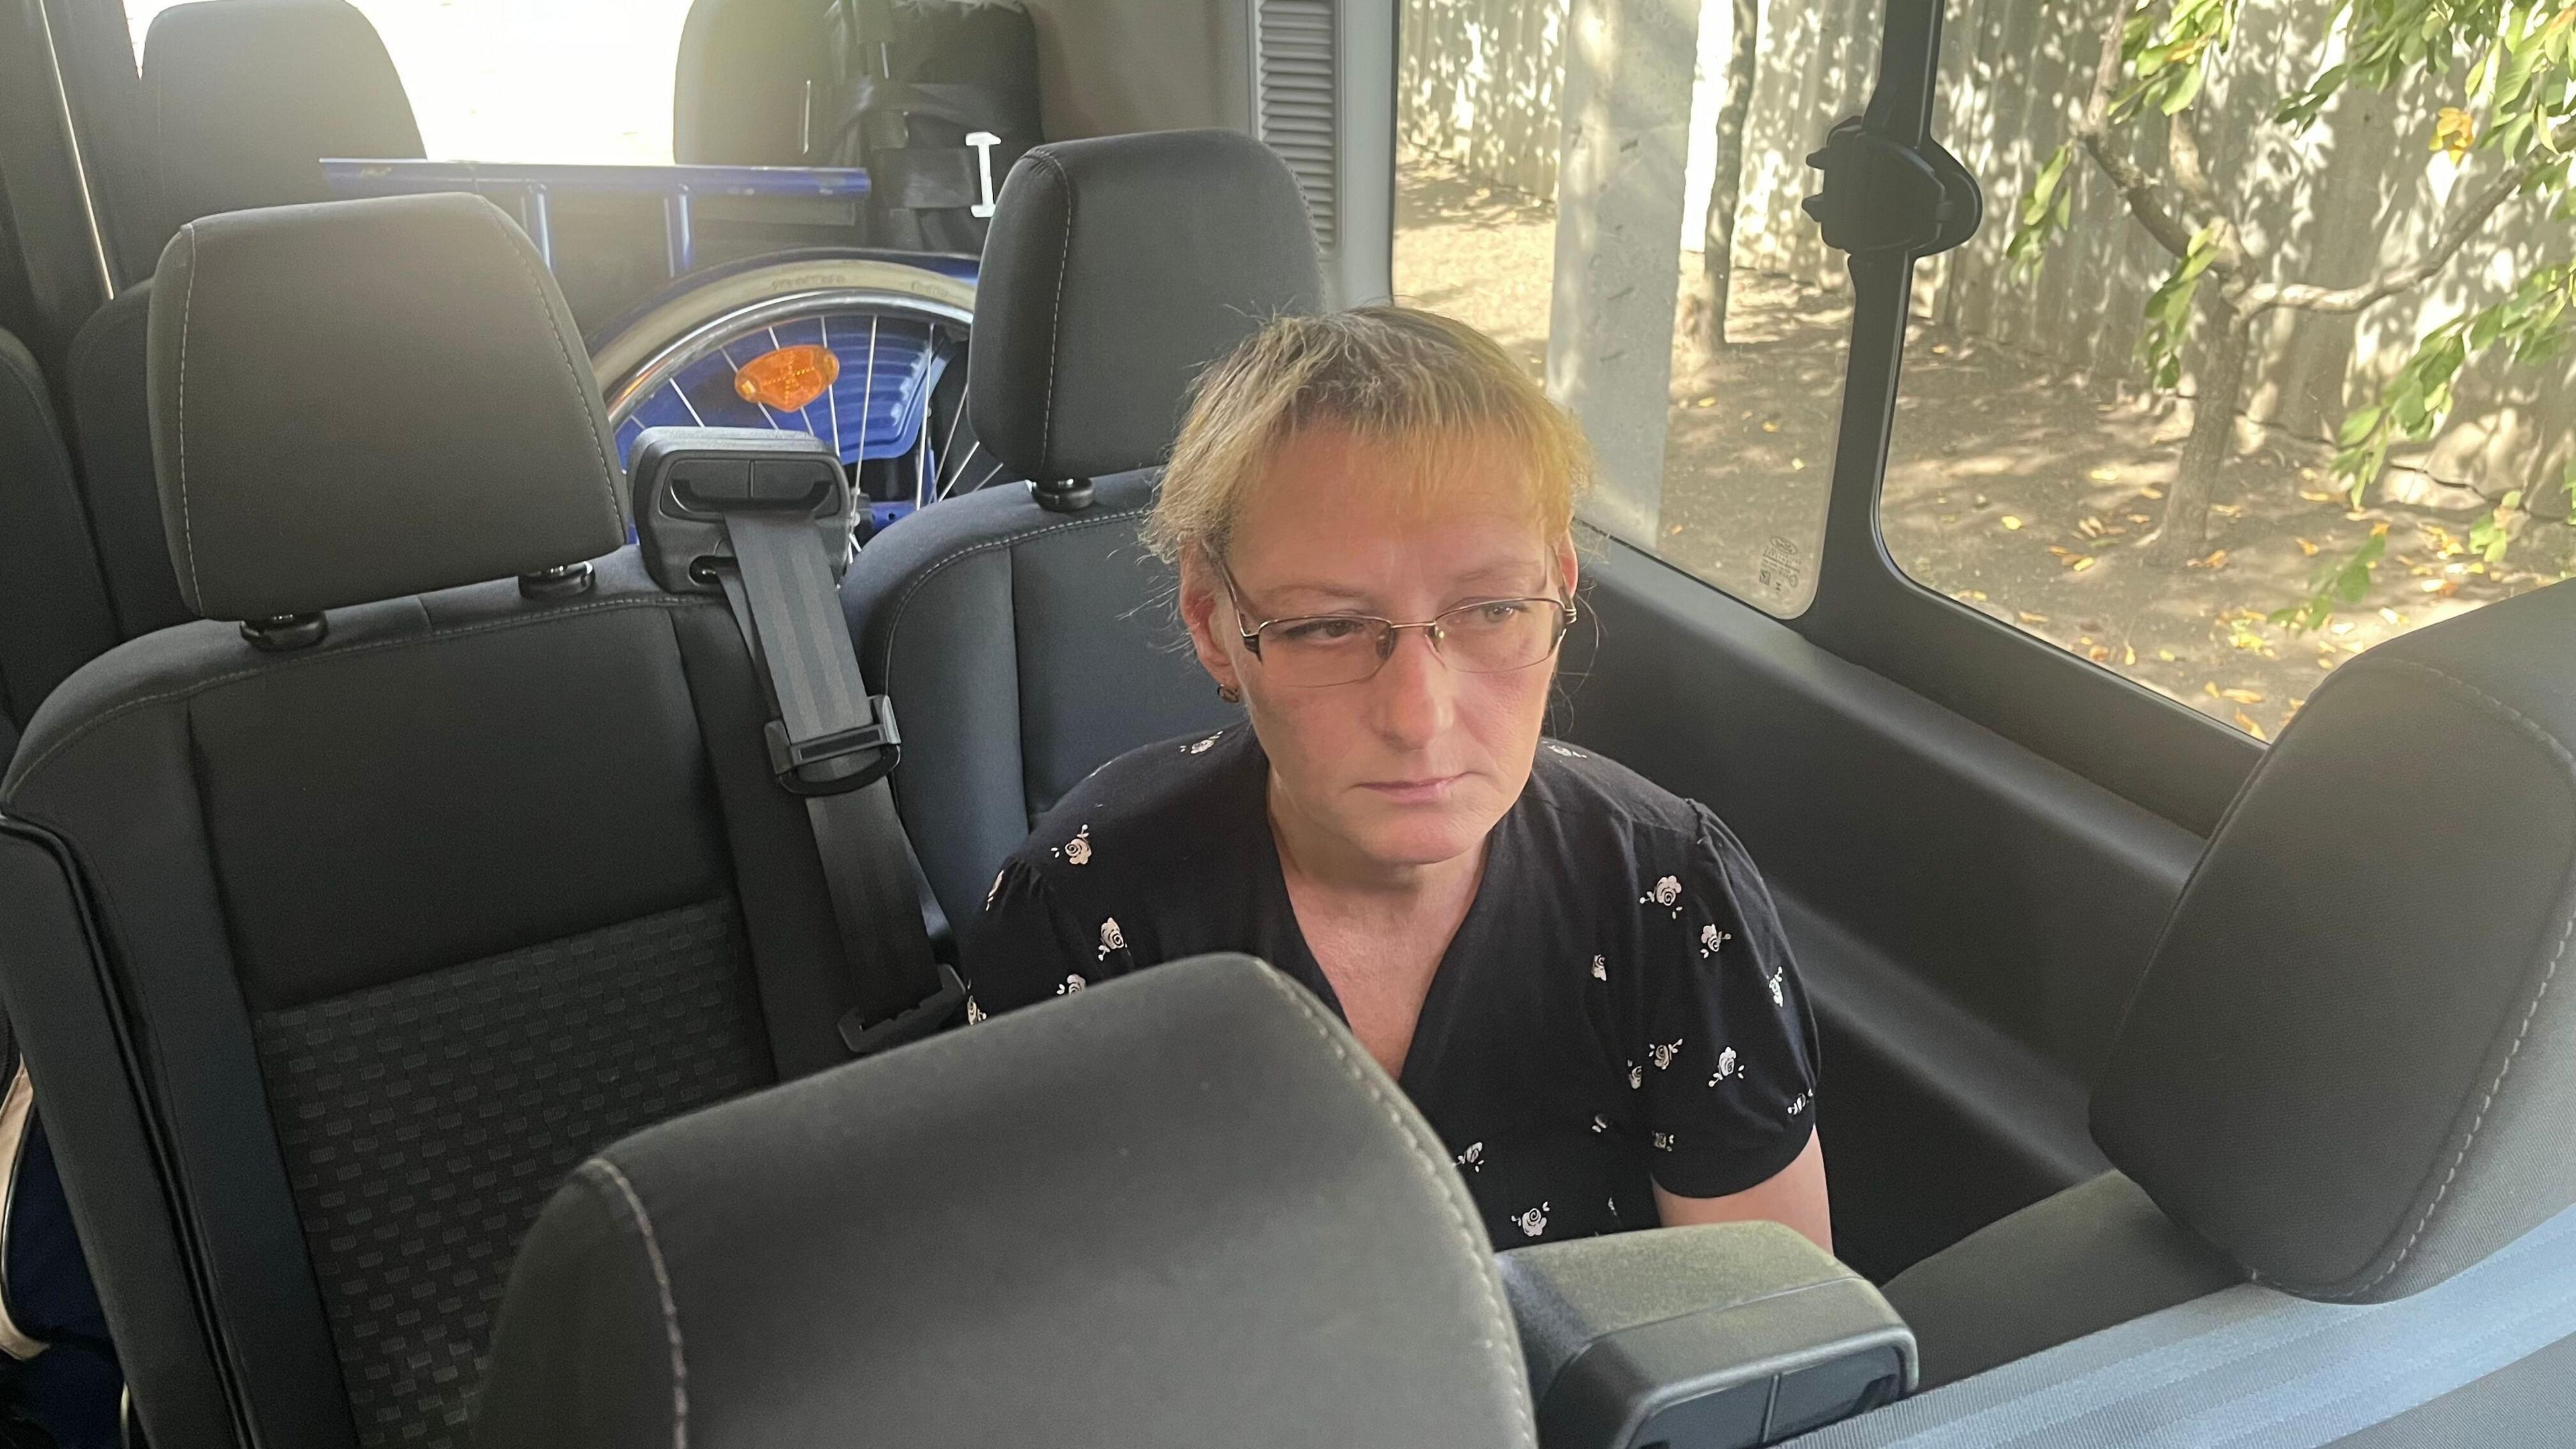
x=1322 y=631
x=1501 y=611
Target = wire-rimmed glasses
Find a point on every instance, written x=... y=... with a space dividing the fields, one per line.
x=1487 y=636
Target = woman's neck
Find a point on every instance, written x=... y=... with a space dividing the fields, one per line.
x=1314 y=855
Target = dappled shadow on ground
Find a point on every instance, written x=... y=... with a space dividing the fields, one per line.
x=2011 y=487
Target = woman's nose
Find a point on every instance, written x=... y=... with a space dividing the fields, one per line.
x=1415 y=691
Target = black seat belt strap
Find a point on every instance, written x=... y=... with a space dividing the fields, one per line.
x=833 y=743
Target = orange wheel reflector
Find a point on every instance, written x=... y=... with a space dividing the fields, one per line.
x=788 y=378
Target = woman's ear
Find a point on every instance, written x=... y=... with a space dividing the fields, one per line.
x=1205 y=611
x=1568 y=566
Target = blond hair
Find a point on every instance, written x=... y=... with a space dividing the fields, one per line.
x=1411 y=381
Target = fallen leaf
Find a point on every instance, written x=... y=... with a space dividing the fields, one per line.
x=2320 y=497
x=1706 y=402
x=1981 y=500
x=2246 y=723
x=2011 y=523
x=2061 y=552
x=2151 y=492
x=1676 y=528
x=2228 y=510
x=2129 y=655
x=2168 y=656
x=2140 y=518
x=2242 y=696
x=2099 y=654
x=2305 y=547
x=2081 y=564
x=2327 y=661
x=2104 y=475
x=2216 y=560
x=1940 y=350
x=2441 y=588
x=1769 y=426
x=1797 y=465
x=2210 y=688
x=2392 y=616
x=2028 y=617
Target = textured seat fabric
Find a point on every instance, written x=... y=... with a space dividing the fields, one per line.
x=333 y=958
x=1025 y=646
x=2347 y=1074
x=1182 y=1209
x=53 y=607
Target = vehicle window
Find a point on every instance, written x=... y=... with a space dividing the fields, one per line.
x=1537 y=185
x=586 y=81
x=2259 y=359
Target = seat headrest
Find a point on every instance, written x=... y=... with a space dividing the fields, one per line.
x=247 y=96
x=1179 y=1208
x=1116 y=270
x=2352 y=1062
x=360 y=400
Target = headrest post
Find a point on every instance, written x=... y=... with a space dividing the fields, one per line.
x=561 y=582
x=285 y=633
x=1064 y=495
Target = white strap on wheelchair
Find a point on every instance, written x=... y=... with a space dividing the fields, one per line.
x=2249 y=1367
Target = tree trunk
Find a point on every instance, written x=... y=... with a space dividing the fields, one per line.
x=1705 y=314
x=2184 y=534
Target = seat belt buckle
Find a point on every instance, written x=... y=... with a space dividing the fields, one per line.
x=845 y=760
x=921 y=1019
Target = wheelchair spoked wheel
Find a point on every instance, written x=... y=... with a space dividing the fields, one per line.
x=851 y=347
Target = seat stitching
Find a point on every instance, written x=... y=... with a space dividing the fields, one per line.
x=903 y=601
x=1055 y=322
x=378 y=646
x=607 y=485
x=187 y=310
x=670 y=1306
x=2567 y=931
x=1500 y=1335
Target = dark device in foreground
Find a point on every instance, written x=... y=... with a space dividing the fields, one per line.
x=1722 y=1336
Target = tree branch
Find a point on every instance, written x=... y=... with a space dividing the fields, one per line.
x=2466 y=221
x=2182 y=151
x=2136 y=187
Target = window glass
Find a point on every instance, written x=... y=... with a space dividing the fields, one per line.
x=526 y=80
x=1557 y=166
x=2294 y=399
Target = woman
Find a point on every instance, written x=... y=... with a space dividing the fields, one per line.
x=1577 y=976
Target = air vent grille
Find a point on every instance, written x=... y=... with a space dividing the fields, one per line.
x=1294 y=40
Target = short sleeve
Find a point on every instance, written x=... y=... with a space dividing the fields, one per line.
x=1729 y=1059
x=1028 y=945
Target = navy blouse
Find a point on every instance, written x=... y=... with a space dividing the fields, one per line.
x=1618 y=1005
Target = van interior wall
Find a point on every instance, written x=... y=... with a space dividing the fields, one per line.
x=1109 y=67
x=1969 y=917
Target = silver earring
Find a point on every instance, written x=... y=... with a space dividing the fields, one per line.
x=1229 y=694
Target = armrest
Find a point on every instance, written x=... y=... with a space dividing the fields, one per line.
x=1720 y=1336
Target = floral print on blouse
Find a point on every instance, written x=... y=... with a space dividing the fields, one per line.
x=1617 y=1010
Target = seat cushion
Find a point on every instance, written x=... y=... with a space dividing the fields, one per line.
x=2097 y=1254
x=1023 y=649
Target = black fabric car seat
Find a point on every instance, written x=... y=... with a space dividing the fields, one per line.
x=2349 y=1071
x=54 y=614
x=1023 y=632
x=337 y=936
x=1094 y=1224
x=242 y=98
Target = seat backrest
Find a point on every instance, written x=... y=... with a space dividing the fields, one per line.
x=244 y=98
x=1091 y=1225
x=1027 y=639
x=2351 y=1064
x=336 y=939
x=53 y=607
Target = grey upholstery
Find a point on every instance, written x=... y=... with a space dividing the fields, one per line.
x=244 y=97
x=334 y=960
x=2346 y=1066
x=454 y=386
x=1024 y=647
x=1115 y=270
x=53 y=607
x=111 y=419
x=2097 y=1254
x=2346 y=1073
x=1181 y=1209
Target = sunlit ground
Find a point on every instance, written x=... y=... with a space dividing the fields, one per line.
x=2011 y=487
x=527 y=80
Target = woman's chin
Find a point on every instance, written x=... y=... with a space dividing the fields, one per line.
x=1418 y=837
